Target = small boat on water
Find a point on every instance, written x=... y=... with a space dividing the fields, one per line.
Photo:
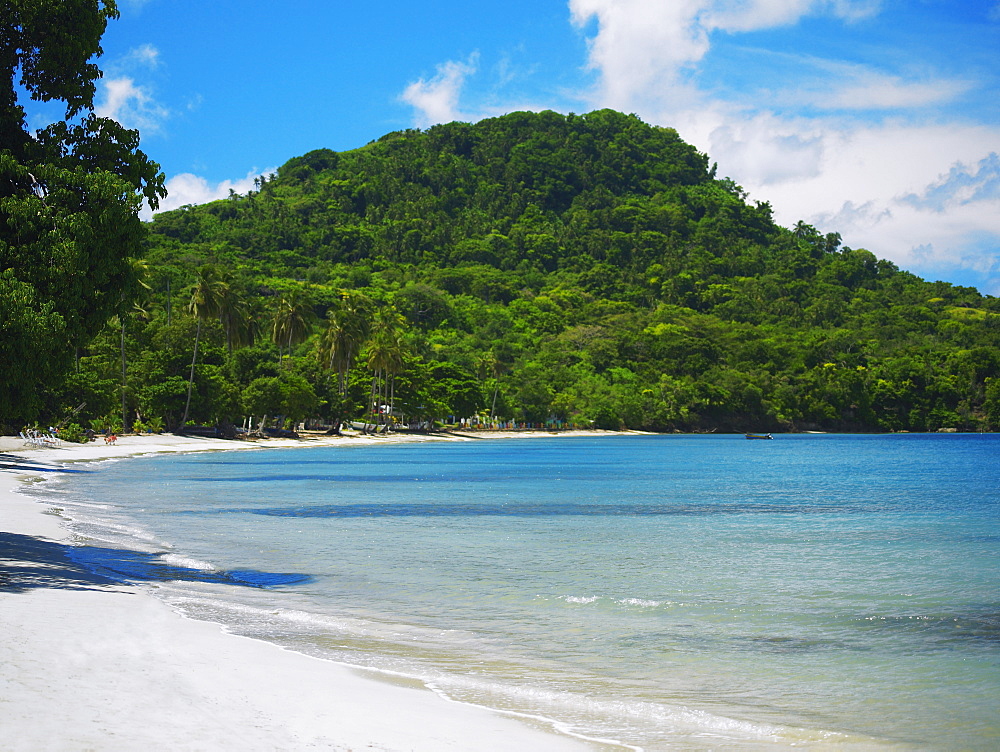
x=759 y=436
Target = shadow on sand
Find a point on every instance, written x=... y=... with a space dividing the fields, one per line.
x=16 y=462
x=28 y=563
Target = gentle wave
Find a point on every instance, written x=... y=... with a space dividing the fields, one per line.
x=186 y=562
x=636 y=602
x=567 y=711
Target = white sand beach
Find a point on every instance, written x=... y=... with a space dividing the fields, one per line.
x=93 y=665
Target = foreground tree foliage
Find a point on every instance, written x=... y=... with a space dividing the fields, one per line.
x=69 y=197
x=540 y=268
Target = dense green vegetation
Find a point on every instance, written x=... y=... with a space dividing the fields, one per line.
x=69 y=196
x=535 y=267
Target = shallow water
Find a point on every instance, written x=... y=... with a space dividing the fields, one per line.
x=667 y=592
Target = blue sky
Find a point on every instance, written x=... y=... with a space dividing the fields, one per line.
x=878 y=119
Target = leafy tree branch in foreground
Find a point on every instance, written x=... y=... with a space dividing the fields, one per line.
x=69 y=200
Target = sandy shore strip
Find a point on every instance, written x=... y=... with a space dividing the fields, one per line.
x=89 y=664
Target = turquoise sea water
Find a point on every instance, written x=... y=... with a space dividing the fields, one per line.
x=666 y=592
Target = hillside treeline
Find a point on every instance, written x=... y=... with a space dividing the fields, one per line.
x=588 y=270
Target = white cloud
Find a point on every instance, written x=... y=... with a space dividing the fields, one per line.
x=145 y=54
x=754 y=14
x=750 y=15
x=856 y=10
x=906 y=192
x=646 y=50
x=122 y=99
x=142 y=58
x=878 y=91
x=647 y=53
x=849 y=86
x=762 y=148
x=436 y=100
x=186 y=188
x=962 y=185
x=131 y=105
x=953 y=221
x=642 y=48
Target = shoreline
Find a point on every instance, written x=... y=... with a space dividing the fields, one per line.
x=95 y=664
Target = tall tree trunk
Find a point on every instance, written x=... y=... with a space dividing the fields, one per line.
x=372 y=399
x=392 y=398
x=124 y=416
x=384 y=402
x=493 y=407
x=194 y=359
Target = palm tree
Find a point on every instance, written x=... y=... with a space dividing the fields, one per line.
x=292 y=320
x=206 y=302
x=385 y=355
x=140 y=270
x=803 y=230
x=496 y=368
x=121 y=320
x=235 y=315
x=348 y=325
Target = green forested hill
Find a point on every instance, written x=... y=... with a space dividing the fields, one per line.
x=587 y=269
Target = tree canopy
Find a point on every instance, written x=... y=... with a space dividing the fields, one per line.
x=69 y=199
